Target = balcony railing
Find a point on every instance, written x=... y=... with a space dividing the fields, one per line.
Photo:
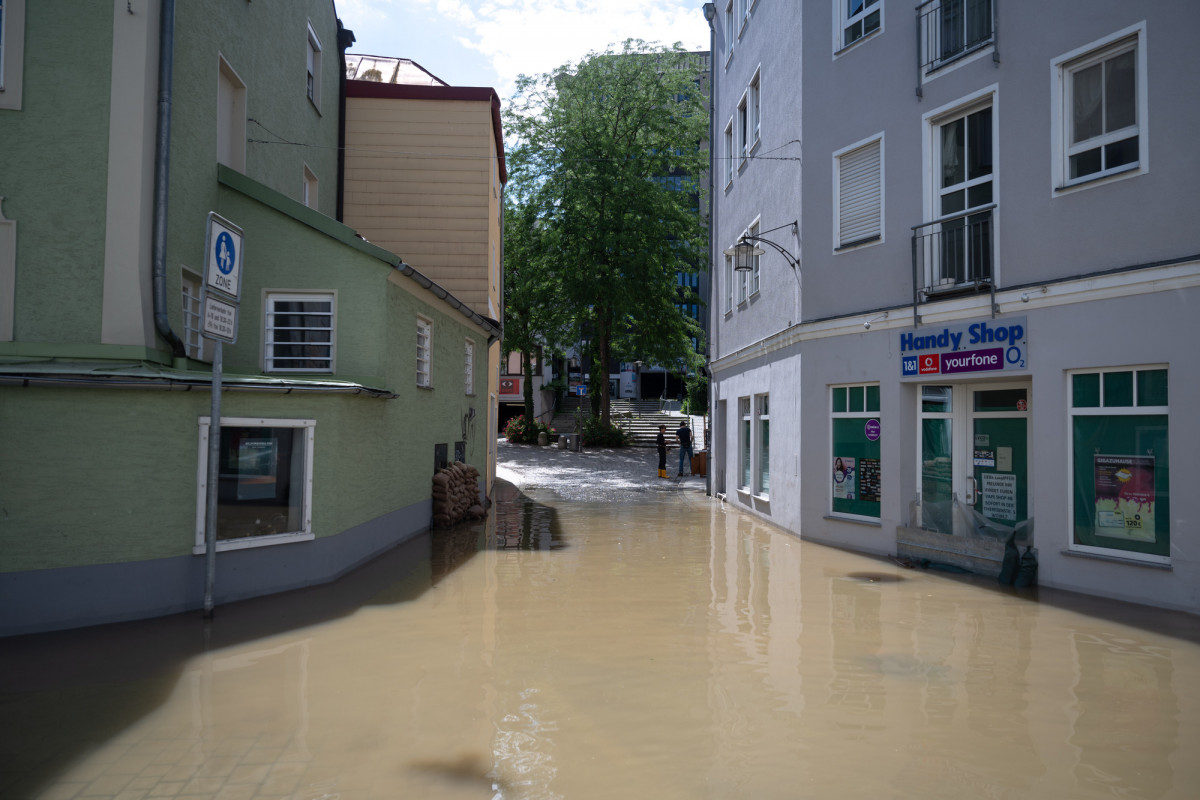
x=950 y=29
x=953 y=254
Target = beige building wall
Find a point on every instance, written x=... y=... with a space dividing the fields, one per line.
x=424 y=178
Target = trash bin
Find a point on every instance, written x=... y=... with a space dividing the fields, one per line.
x=700 y=463
x=576 y=440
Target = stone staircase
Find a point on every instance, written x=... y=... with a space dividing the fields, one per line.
x=639 y=418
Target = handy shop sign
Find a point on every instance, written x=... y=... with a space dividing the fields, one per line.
x=989 y=346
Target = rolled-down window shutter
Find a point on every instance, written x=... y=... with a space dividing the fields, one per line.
x=860 y=193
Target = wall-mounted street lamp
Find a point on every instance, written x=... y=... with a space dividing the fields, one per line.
x=745 y=251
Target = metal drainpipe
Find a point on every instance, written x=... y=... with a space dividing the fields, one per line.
x=162 y=174
x=345 y=38
x=710 y=13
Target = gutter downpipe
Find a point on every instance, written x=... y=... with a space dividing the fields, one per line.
x=710 y=13
x=162 y=175
x=345 y=38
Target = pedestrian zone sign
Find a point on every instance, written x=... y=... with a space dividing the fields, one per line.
x=224 y=257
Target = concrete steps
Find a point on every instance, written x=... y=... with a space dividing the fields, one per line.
x=639 y=418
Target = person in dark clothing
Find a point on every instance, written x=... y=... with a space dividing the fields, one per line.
x=661 y=442
x=684 y=435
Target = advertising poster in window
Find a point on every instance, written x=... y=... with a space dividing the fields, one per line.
x=1125 y=497
x=868 y=479
x=843 y=478
x=256 y=459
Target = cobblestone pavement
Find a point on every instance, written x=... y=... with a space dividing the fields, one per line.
x=593 y=474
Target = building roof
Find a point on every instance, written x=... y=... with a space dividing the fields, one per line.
x=389 y=69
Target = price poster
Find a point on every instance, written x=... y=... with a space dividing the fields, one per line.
x=1125 y=497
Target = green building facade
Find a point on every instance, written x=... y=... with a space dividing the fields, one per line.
x=352 y=376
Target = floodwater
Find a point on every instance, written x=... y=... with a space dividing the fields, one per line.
x=659 y=647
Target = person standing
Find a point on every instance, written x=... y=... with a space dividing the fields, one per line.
x=684 y=435
x=661 y=442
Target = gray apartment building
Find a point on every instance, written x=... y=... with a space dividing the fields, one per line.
x=969 y=312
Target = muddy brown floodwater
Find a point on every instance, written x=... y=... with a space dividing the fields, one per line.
x=662 y=646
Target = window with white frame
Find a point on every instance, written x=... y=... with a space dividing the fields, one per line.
x=1100 y=95
x=742 y=12
x=858 y=171
x=744 y=444
x=859 y=18
x=728 y=284
x=854 y=433
x=755 y=103
x=730 y=30
x=299 y=332
x=469 y=368
x=755 y=261
x=964 y=151
x=424 y=352
x=313 y=67
x=762 y=419
x=1120 y=463
x=231 y=117
x=309 y=189
x=12 y=53
x=730 y=153
x=264 y=490
x=193 y=343
x=951 y=28
x=743 y=129
x=743 y=279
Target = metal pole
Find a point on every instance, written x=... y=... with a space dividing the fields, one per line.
x=214 y=458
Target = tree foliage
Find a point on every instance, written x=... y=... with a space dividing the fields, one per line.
x=605 y=173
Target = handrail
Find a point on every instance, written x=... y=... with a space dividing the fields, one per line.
x=960 y=215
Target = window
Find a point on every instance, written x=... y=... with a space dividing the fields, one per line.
x=743 y=279
x=762 y=477
x=755 y=109
x=743 y=130
x=961 y=240
x=950 y=28
x=730 y=156
x=855 y=436
x=12 y=52
x=299 y=332
x=190 y=287
x=730 y=30
x=728 y=284
x=744 y=444
x=1101 y=100
x=754 y=262
x=859 y=18
x=308 y=193
x=231 y=118
x=313 y=79
x=424 y=349
x=1120 y=463
x=264 y=490
x=469 y=368
x=859 y=177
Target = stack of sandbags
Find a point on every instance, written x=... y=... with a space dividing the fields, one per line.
x=456 y=494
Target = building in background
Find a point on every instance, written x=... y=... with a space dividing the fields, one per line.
x=353 y=374
x=425 y=178
x=972 y=316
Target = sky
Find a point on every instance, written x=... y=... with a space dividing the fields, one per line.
x=491 y=42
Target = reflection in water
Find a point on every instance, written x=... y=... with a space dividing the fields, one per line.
x=666 y=648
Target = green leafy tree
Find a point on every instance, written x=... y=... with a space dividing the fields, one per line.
x=607 y=157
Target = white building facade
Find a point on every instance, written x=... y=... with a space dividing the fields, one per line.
x=974 y=314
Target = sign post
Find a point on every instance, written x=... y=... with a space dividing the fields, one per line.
x=220 y=298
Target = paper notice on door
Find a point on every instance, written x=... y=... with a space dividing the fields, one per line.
x=1004 y=459
x=999 y=496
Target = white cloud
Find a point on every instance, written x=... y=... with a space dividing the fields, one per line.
x=536 y=36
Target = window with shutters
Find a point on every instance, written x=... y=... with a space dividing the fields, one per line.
x=858 y=172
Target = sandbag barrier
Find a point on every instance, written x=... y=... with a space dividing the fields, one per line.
x=456 y=495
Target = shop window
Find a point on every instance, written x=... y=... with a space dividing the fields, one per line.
x=744 y=444
x=264 y=493
x=762 y=418
x=1120 y=463
x=855 y=480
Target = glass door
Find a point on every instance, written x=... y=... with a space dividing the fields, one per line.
x=974 y=459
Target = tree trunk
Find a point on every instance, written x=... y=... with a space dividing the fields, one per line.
x=527 y=368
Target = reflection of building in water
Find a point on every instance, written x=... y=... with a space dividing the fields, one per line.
x=525 y=525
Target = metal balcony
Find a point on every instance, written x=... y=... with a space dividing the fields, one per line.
x=947 y=30
x=953 y=255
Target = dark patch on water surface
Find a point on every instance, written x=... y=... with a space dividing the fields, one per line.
x=875 y=577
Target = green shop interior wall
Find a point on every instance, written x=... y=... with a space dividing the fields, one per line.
x=53 y=174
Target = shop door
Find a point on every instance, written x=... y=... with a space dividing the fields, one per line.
x=974 y=468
